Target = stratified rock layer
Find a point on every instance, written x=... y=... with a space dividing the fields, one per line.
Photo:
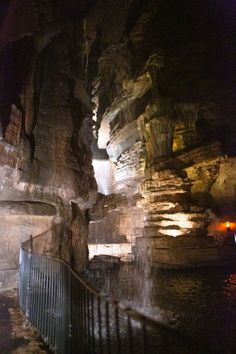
x=150 y=81
x=174 y=230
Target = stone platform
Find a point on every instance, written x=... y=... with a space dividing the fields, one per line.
x=183 y=252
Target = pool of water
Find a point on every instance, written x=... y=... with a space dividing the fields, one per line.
x=200 y=303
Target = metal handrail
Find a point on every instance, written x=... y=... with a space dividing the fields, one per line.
x=73 y=317
x=29 y=243
x=6 y=269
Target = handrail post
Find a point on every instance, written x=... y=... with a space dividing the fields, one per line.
x=70 y=313
x=28 y=281
x=20 y=277
x=31 y=244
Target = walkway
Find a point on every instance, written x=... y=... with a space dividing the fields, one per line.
x=15 y=336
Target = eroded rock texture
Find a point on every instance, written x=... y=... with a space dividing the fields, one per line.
x=153 y=83
x=164 y=109
x=46 y=128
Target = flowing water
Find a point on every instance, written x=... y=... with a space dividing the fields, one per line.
x=104 y=176
x=200 y=303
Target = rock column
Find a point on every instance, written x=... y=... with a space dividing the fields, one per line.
x=174 y=230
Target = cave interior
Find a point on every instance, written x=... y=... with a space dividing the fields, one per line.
x=118 y=132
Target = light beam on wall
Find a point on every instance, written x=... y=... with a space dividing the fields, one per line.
x=104 y=175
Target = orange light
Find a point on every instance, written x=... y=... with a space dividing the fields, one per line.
x=227 y=224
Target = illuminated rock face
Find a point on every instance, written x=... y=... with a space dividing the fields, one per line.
x=45 y=129
x=167 y=203
x=163 y=114
x=153 y=85
x=174 y=232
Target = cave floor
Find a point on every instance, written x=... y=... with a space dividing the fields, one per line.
x=15 y=336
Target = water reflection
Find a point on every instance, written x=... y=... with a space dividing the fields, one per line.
x=201 y=303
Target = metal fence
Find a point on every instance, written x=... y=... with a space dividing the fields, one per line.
x=72 y=317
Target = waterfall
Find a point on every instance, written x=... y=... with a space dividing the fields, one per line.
x=104 y=175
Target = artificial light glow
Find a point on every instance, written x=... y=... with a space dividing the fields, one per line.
x=171 y=232
x=181 y=220
x=183 y=224
x=178 y=216
x=227 y=224
x=221 y=225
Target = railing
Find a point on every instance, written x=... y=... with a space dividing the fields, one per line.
x=72 y=317
x=6 y=269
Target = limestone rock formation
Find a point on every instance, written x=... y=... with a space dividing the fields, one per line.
x=150 y=81
x=46 y=127
x=159 y=93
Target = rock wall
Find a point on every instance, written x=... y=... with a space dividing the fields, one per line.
x=159 y=89
x=152 y=82
x=46 y=127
